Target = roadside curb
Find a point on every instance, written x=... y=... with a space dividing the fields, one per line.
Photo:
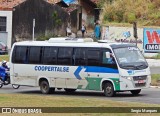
x=155 y=87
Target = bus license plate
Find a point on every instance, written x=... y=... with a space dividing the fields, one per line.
x=141 y=81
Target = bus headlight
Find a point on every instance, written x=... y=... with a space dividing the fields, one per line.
x=128 y=78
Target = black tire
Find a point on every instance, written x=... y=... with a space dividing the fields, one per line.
x=70 y=90
x=135 y=92
x=1 y=85
x=109 y=90
x=44 y=87
x=15 y=86
x=7 y=81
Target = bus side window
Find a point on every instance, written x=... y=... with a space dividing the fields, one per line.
x=25 y=58
x=50 y=55
x=64 y=56
x=20 y=55
x=79 y=56
x=108 y=62
x=35 y=55
x=93 y=57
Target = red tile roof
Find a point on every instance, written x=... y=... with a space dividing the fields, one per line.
x=10 y=4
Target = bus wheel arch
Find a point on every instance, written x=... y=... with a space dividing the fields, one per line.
x=45 y=87
x=108 y=88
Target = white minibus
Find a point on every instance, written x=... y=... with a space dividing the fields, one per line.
x=72 y=64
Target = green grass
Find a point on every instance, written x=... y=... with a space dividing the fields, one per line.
x=155 y=79
x=4 y=57
x=25 y=100
x=19 y=100
x=154 y=57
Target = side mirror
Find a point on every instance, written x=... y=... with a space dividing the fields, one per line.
x=107 y=54
x=142 y=52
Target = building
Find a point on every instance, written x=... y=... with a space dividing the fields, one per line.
x=90 y=12
x=51 y=18
x=16 y=20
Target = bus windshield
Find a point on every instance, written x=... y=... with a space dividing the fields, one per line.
x=130 y=58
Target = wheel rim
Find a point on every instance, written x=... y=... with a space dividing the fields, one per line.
x=108 y=89
x=15 y=86
x=44 y=87
x=1 y=85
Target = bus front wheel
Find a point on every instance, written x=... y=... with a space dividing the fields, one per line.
x=109 y=89
x=44 y=87
x=135 y=92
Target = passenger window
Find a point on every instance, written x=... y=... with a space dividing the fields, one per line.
x=64 y=56
x=93 y=57
x=35 y=55
x=50 y=55
x=79 y=57
x=20 y=54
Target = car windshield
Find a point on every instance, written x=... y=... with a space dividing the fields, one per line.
x=130 y=58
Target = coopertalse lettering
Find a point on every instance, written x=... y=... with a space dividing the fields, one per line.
x=51 y=68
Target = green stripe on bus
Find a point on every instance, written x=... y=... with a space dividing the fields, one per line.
x=116 y=83
x=93 y=83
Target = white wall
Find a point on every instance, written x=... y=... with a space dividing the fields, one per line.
x=8 y=14
x=117 y=33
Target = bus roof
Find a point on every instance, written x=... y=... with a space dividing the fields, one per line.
x=71 y=44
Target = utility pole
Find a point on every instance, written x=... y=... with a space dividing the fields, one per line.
x=33 y=29
x=135 y=31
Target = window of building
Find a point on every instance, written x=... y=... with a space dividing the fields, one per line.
x=3 y=23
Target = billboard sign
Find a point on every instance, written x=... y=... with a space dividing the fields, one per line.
x=151 y=40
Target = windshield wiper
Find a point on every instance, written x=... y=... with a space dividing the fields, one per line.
x=129 y=66
x=141 y=66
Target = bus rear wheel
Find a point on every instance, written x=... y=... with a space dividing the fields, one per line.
x=44 y=87
x=109 y=90
x=135 y=92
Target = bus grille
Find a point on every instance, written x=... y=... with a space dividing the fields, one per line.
x=137 y=78
x=140 y=84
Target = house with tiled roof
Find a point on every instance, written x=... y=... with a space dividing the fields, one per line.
x=16 y=19
x=90 y=13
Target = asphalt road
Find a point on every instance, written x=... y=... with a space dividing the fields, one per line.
x=151 y=95
x=155 y=70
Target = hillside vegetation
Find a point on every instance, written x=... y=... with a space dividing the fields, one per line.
x=145 y=12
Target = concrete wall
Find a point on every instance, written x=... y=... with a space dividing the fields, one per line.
x=124 y=35
x=8 y=32
x=45 y=24
x=87 y=13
